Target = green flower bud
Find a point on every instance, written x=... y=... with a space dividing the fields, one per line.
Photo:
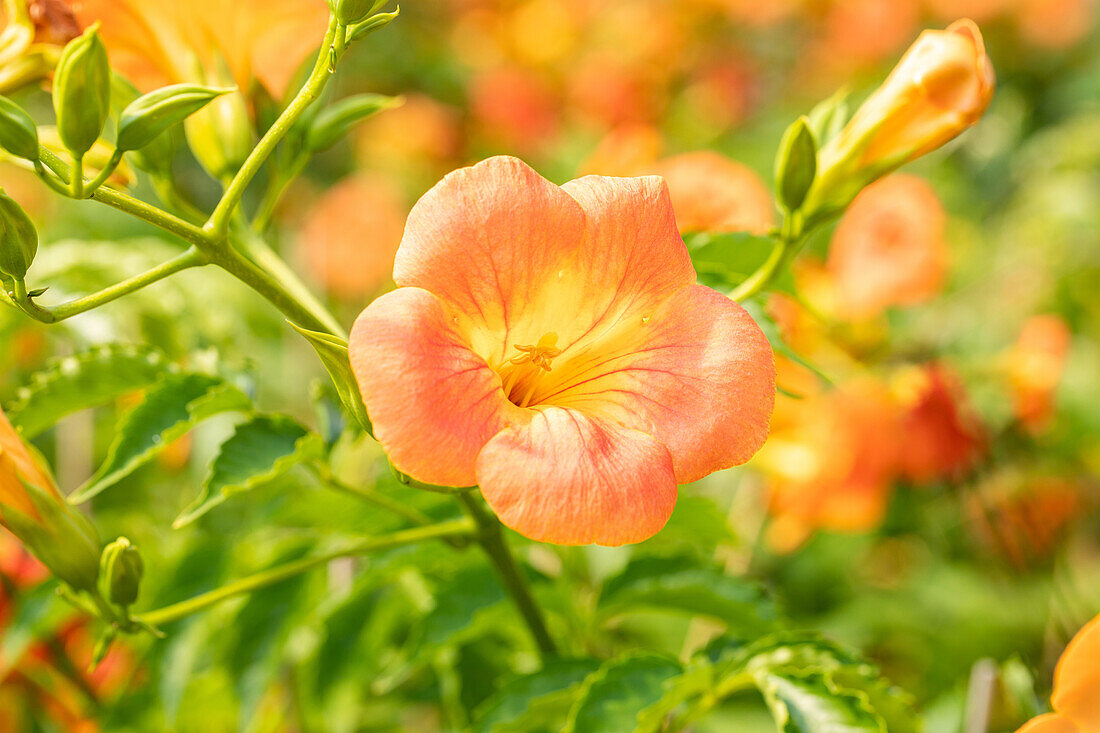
x=147 y=117
x=82 y=92
x=335 y=121
x=221 y=134
x=121 y=569
x=18 y=135
x=795 y=165
x=371 y=24
x=18 y=238
x=353 y=11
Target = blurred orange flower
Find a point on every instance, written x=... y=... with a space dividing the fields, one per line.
x=943 y=437
x=1076 y=681
x=515 y=107
x=627 y=150
x=16 y=466
x=158 y=42
x=550 y=345
x=889 y=248
x=1035 y=365
x=1055 y=23
x=830 y=461
x=711 y=193
x=1022 y=517
x=351 y=234
x=34 y=32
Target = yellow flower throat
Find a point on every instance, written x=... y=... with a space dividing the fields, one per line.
x=528 y=367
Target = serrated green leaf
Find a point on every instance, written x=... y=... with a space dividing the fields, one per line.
x=259 y=450
x=681 y=585
x=784 y=665
x=616 y=695
x=809 y=703
x=538 y=702
x=87 y=379
x=172 y=406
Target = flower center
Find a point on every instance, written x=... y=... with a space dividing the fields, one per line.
x=521 y=374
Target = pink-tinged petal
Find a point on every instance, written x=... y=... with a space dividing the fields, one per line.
x=702 y=382
x=433 y=402
x=490 y=241
x=633 y=254
x=573 y=479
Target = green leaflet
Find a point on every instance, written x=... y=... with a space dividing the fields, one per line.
x=616 y=695
x=84 y=380
x=812 y=703
x=679 y=585
x=260 y=449
x=172 y=406
x=534 y=702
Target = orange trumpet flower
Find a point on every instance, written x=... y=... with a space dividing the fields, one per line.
x=551 y=345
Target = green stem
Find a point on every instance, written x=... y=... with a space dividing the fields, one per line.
x=260 y=252
x=491 y=539
x=192 y=257
x=50 y=179
x=176 y=611
x=787 y=243
x=331 y=46
x=266 y=211
x=371 y=496
x=76 y=178
x=104 y=174
x=130 y=205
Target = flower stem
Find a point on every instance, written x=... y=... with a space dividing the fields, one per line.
x=331 y=48
x=176 y=611
x=491 y=539
x=787 y=243
x=192 y=257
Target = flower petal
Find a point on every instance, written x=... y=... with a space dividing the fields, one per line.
x=702 y=383
x=490 y=240
x=433 y=402
x=573 y=479
x=1077 y=679
x=1049 y=723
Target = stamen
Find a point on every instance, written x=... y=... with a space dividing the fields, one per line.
x=539 y=357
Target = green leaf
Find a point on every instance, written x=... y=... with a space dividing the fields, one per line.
x=723 y=261
x=795 y=165
x=680 y=585
x=38 y=613
x=333 y=352
x=87 y=379
x=813 y=683
x=535 y=703
x=462 y=603
x=172 y=406
x=150 y=115
x=335 y=121
x=259 y=450
x=810 y=703
x=828 y=118
x=615 y=696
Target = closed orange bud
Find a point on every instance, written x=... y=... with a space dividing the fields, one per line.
x=32 y=508
x=941 y=86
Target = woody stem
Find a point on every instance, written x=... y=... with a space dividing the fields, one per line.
x=491 y=539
